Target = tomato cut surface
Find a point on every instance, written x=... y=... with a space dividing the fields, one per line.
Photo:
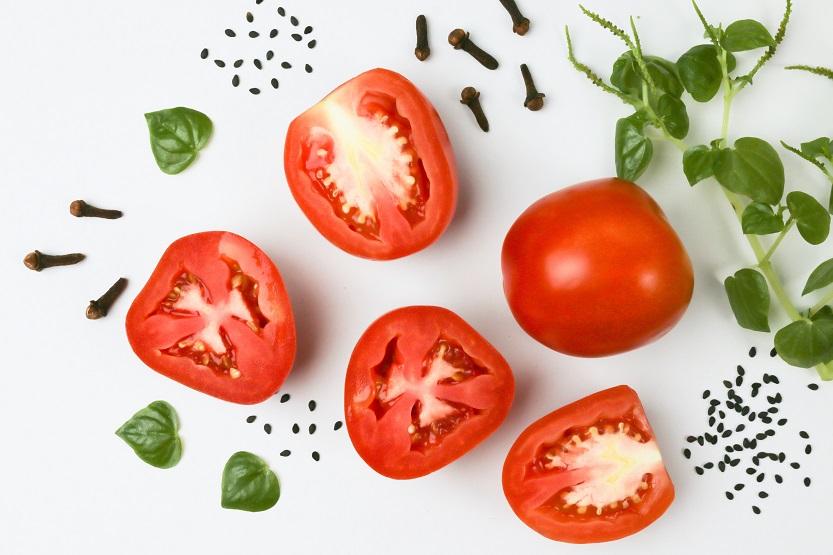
x=372 y=168
x=422 y=389
x=215 y=316
x=590 y=471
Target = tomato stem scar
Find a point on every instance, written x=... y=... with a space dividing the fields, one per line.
x=534 y=100
x=98 y=308
x=422 y=50
x=81 y=209
x=459 y=39
x=520 y=24
x=37 y=261
x=471 y=98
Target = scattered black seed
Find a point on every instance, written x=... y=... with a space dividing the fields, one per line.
x=249 y=16
x=795 y=465
x=804 y=434
x=778 y=479
x=721 y=466
x=770 y=432
x=714 y=402
x=254 y=90
x=734 y=462
x=808 y=449
x=254 y=34
x=273 y=33
x=739 y=381
x=771 y=399
x=730 y=404
x=766 y=378
x=312 y=429
x=753 y=351
x=267 y=428
x=687 y=453
x=766 y=420
x=270 y=55
x=813 y=386
x=251 y=419
x=755 y=460
x=308 y=68
x=753 y=443
x=312 y=43
x=691 y=439
x=711 y=438
x=307 y=30
x=258 y=1
x=311 y=405
x=745 y=411
x=238 y=63
x=756 y=510
x=281 y=12
x=751 y=471
x=782 y=457
x=726 y=434
x=286 y=453
x=730 y=495
x=698 y=470
x=296 y=428
x=258 y=64
x=746 y=442
x=739 y=448
x=760 y=477
x=296 y=37
x=727 y=383
x=807 y=482
x=220 y=63
x=274 y=83
x=772 y=410
x=773 y=352
x=315 y=456
x=235 y=80
x=730 y=394
x=711 y=421
x=339 y=424
x=708 y=465
x=230 y=33
x=721 y=414
x=204 y=53
x=730 y=449
x=763 y=494
x=751 y=417
x=774 y=379
x=720 y=427
x=711 y=410
x=706 y=394
x=286 y=65
x=284 y=397
x=293 y=20
x=740 y=427
x=760 y=436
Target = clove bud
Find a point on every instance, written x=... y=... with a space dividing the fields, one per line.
x=471 y=97
x=98 y=308
x=460 y=40
x=37 y=261
x=422 y=50
x=81 y=209
x=520 y=24
x=534 y=100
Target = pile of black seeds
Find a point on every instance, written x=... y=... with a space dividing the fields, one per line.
x=746 y=421
x=261 y=64
x=296 y=429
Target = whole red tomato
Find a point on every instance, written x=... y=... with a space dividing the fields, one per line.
x=596 y=269
x=372 y=168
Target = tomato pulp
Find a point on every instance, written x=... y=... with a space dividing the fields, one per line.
x=422 y=389
x=215 y=316
x=596 y=269
x=590 y=471
x=372 y=168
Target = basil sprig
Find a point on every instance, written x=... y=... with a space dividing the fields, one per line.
x=249 y=484
x=153 y=433
x=749 y=171
x=176 y=135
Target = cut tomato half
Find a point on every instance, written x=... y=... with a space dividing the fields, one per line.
x=372 y=168
x=590 y=471
x=422 y=389
x=215 y=316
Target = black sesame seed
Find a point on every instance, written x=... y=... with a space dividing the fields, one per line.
x=804 y=434
x=691 y=439
x=766 y=378
x=315 y=456
x=727 y=383
x=714 y=402
x=286 y=453
x=269 y=55
x=311 y=405
x=238 y=63
x=755 y=392
x=763 y=494
x=726 y=434
x=813 y=386
x=312 y=429
x=708 y=465
x=274 y=83
x=706 y=394
x=730 y=495
x=721 y=414
x=204 y=53
x=778 y=479
x=734 y=462
x=740 y=427
x=284 y=397
x=755 y=460
x=267 y=428
x=721 y=466
x=249 y=16
x=774 y=379
x=807 y=482
x=739 y=381
x=766 y=420
x=711 y=410
x=235 y=80
x=739 y=448
x=745 y=411
x=795 y=465
x=730 y=449
x=772 y=410
x=297 y=37
x=254 y=34
x=751 y=417
x=307 y=30
x=756 y=510
x=312 y=43
x=760 y=436
x=296 y=428
x=773 y=457
x=753 y=443
x=286 y=65
x=258 y=64
x=273 y=33
x=254 y=90
x=782 y=457
x=281 y=12
x=711 y=421
x=686 y=452
x=771 y=399
x=220 y=63
x=753 y=351
x=338 y=424
x=720 y=427
x=751 y=471
x=808 y=449
x=773 y=352
x=730 y=404
x=746 y=442
x=230 y=33
x=251 y=419
x=760 y=477
x=293 y=20
x=770 y=432
x=711 y=438
x=698 y=470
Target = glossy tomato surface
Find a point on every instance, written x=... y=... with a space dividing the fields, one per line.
x=215 y=316
x=590 y=471
x=422 y=389
x=372 y=168
x=595 y=269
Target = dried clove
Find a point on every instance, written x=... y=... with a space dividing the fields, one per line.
x=37 y=261
x=98 y=308
x=422 y=50
x=534 y=100
x=520 y=24
x=471 y=97
x=459 y=39
x=81 y=209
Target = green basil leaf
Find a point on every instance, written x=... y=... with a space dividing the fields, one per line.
x=761 y=219
x=152 y=433
x=820 y=148
x=674 y=115
x=633 y=150
x=822 y=276
x=627 y=75
x=176 y=135
x=249 y=484
x=698 y=163
x=824 y=313
x=746 y=34
x=665 y=75
x=624 y=77
x=806 y=343
x=811 y=218
x=700 y=72
x=749 y=298
x=752 y=168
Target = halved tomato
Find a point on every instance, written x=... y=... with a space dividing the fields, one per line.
x=372 y=168
x=422 y=389
x=215 y=316
x=590 y=471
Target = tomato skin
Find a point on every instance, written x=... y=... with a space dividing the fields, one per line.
x=263 y=359
x=434 y=164
x=595 y=269
x=525 y=495
x=385 y=442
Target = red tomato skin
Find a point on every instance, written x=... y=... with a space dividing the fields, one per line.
x=596 y=269
x=430 y=140
x=607 y=405
x=418 y=327
x=265 y=362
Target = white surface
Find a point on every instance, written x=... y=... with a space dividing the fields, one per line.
x=77 y=79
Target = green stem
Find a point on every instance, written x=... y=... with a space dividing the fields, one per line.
x=771 y=251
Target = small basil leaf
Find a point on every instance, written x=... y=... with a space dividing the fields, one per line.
x=760 y=219
x=822 y=276
x=152 y=433
x=700 y=72
x=176 y=135
x=674 y=115
x=811 y=218
x=746 y=34
x=633 y=150
x=824 y=313
x=665 y=75
x=820 y=148
x=698 y=163
x=752 y=168
x=749 y=298
x=625 y=77
x=249 y=484
x=806 y=343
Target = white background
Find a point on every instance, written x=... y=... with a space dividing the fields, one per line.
x=77 y=78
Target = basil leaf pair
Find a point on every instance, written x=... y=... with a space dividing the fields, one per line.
x=701 y=73
x=176 y=135
x=627 y=75
x=153 y=434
